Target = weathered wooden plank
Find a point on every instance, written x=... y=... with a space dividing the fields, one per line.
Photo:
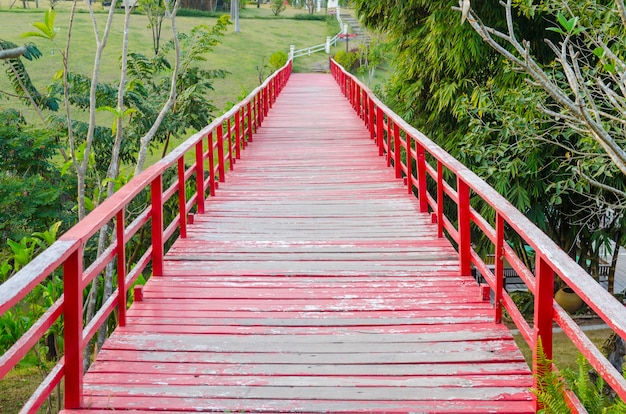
x=466 y=381
x=474 y=356
x=105 y=404
x=107 y=364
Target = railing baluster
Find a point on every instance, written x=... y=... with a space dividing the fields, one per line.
x=220 y=154
x=182 y=198
x=231 y=161
x=397 y=152
x=249 y=129
x=542 y=316
x=380 y=130
x=422 y=188
x=439 y=194
x=370 y=119
x=200 y=175
x=238 y=134
x=212 y=183
x=499 y=267
x=121 y=266
x=156 y=196
x=73 y=328
x=465 y=258
x=409 y=163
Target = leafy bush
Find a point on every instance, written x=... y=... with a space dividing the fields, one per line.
x=277 y=7
x=347 y=59
x=278 y=60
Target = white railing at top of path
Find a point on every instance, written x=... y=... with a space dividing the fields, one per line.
x=293 y=53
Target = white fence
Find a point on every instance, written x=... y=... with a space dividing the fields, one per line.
x=330 y=41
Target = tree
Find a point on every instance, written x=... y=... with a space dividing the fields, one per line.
x=155 y=12
x=455 y=88
x=585 y=82
x=277 y=7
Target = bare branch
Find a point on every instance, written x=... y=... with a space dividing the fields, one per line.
x=13 y=53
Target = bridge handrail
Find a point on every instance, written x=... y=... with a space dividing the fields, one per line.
x=403 y=145
x=219 y=144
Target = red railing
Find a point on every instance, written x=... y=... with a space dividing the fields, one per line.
x=219 y=145
x=407 y=150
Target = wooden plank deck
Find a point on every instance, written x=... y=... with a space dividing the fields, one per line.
x=311 y=285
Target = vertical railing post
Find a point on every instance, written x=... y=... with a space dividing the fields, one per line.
x=182 y=198
x=422 y=190
x=156 y=196
x=499 y=268
x=380 y=130
x=212 y=184
x=439 y=196
x=121 y=267
x=200 y=174
x=364 y=106
x=220 y=153
x=542 y=324
x=238 y=134
x=390 y=143
x=249 y=116
x=229 y=136
x=266 y=98
x=465 y=259
x=409 y=163
x=371 y=118
x=73 y=329
x=397 y=152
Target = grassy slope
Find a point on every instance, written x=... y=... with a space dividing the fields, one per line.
x=240 y=53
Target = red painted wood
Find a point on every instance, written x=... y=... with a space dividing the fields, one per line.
x=73 y=330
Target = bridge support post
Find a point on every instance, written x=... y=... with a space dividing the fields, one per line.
x=156 y=196
x=499 y=267
x=73 y=329
x=465 y=248
x=542 y=327
x=327 y=48
x=292 y=51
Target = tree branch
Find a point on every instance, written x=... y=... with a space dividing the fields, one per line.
x=13 y=53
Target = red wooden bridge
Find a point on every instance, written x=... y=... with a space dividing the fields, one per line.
x=309 y=278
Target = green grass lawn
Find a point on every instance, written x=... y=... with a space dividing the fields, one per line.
x=240 y=53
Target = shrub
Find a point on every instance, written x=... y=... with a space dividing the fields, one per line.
x=277 y=7
x=347 y=59
x=278 y=60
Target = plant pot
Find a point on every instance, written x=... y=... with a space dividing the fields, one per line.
x=568 y=299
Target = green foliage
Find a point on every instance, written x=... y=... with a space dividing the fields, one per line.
x=277 y=7
x=347 y=59
x=588 y=387
x=550 y=387
x=307 y=16
x=525 y=302
x=278 y=60
x=32 y=191
x=20 y=79
x=155 y=11
x=46 y=29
